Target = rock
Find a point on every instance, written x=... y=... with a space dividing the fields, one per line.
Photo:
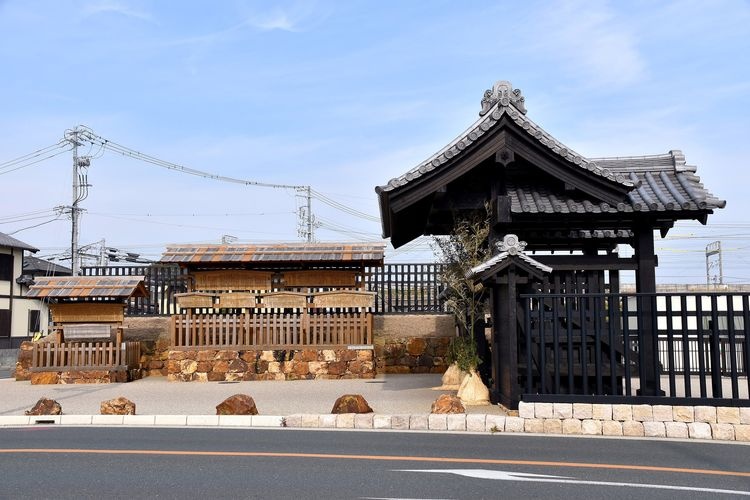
x=43 y=378
x=117 y=406
x=447 y=403
x=472 y=391
x=351 y=403
x=416 y=346
x=239 y=404
x=452 y=378
x=45 y=406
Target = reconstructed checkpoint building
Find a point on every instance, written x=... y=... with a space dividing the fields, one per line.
x=573 y=209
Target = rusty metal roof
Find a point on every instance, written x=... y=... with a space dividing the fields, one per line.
x=282 y=253
x=63 y=287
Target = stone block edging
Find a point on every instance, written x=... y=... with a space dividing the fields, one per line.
x=559 y=419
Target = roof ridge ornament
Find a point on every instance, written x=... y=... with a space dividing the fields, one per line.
x=511 y=244
x=504 y=93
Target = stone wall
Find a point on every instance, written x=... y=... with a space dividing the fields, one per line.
x=23 y=365
x=412 y=343
x=153 y=332
x=84 y=377
x=229 y=365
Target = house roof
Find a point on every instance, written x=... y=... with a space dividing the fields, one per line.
x=510 y=248
x=502 y=100
x=538 y=175
x=662 y=183
x=283 y=253
x=9 y=241
x=33 y=265
x=61 y=287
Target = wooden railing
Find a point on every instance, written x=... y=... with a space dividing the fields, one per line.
x=271 y=331
x=46 y=356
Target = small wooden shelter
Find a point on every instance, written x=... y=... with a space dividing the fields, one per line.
x=88 y=306
x=274 y=295
x=87 y=325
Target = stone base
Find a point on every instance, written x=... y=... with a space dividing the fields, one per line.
x=84 y=377
x=229 y=365
x=412 y=354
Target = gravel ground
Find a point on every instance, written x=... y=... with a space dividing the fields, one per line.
x=388 y=394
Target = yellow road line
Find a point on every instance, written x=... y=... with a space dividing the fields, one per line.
x=390 y=458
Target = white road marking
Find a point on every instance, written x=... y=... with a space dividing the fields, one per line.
x=500 y=475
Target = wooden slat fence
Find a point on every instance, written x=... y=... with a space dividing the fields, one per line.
x=49 y=356
x=267 y=331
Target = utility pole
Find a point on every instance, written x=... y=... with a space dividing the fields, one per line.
x=305 y=220
x=309 y=216
x=80 y=191
x=714 y=249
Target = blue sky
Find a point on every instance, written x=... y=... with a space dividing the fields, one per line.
x=344 y=96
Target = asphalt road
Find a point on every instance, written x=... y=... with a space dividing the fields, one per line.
x=58 y=462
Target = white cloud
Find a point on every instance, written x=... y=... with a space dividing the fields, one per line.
x=588 y=39
x=113 y=7
x=277 y=20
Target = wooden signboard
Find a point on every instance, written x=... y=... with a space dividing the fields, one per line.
x=194 y=300
x=87 y=312
x=283 y=300
x=238 y=299
x=320 y=278
x=344 y=298
x=232 y=279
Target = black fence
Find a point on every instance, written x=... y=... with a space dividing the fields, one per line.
x=400 y=288
x=162 y=283
x=694 y=345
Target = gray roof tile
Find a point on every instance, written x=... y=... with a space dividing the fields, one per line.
x=10 y=241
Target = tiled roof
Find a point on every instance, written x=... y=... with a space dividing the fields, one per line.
x=506 y=102
x=662 y=183
x=34 y=265
x=276 y=253
x=497 y=259
x=61 y=287
x=10 y=241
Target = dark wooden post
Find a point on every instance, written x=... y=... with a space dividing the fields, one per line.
x=505 y=389
x=645 y=282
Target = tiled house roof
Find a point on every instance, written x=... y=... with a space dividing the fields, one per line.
x=60 y=287
x=658 y=183
x=9 y=241
x=318 y=253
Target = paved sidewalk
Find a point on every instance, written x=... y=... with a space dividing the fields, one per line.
x=386 y=394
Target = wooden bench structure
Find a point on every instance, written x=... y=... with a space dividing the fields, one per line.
x=278 y=296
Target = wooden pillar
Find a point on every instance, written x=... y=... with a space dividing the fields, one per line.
x=505 y=388
x=645 y=282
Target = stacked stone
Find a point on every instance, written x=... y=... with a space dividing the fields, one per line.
x=229 y=365
x=697 y=422
x=414 y=354
x=23 y=365
x=83 y=377
x=154 y=357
